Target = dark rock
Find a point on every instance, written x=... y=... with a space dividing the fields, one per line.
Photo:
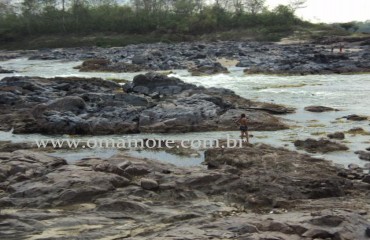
x=336 y=135
x=367 y=232
x=355 y=117
x=151 y=103
x=319 y=109
x=157 y=83
x=363 y=155
x=321 y=145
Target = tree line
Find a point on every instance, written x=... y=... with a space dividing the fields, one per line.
x=40 y=17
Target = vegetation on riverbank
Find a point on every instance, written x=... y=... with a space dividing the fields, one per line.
x=36 y=24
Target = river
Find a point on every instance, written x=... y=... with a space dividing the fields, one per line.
x=348 y=93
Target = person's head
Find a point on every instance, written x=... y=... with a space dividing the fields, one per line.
x=243 y=115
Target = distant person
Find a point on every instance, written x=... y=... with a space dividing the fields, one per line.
x=341 y=47
x=332 y=48
x=243 y=126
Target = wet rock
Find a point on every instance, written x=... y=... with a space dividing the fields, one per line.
x=149 y=184
x=208 y=69
x=355 y=117
x=336 y=135
x=321 y=145
x=319 y=109
x=363 y=155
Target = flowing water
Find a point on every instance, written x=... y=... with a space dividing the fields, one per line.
x=349 y=93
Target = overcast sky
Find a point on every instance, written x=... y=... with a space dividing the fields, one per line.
x=330 y=11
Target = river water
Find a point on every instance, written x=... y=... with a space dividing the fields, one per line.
x=349 y=93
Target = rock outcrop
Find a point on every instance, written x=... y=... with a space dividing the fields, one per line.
x=150 y=103
x=252 y=192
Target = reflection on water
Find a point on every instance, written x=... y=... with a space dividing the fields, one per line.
x=349 y=93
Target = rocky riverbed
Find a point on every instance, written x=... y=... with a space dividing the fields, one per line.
x=258 y=191
x=254 y=192
x=204 y=58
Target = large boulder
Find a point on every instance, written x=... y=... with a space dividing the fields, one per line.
x=154 y=83
x=183 y=115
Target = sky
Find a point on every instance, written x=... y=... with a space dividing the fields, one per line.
x=330 y=11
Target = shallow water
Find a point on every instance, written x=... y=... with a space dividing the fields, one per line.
x=349 y=93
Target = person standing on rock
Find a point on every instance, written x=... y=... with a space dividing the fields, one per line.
x=243 y=126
